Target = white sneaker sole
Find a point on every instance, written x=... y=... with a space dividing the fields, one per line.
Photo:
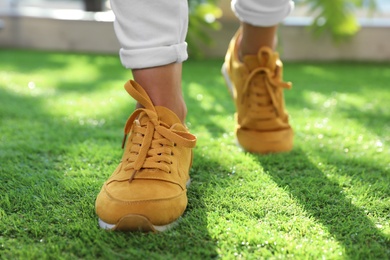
x=229 y=83
x=136 y=223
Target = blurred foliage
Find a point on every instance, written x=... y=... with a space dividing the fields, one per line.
x=337 y=17
x=203 y=17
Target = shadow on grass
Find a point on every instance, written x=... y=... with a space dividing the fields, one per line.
x=51 y=171
x=324 y=200
x=361 y=170
x=207 y=113
x=189 y=240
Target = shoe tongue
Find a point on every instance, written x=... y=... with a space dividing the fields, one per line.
x=167 y=116
x=251 y=62
x=164 y=115
x=264 y=58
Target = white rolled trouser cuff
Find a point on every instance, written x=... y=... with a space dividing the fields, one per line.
x=151 y=32
x=153 y=56
x=262 y=12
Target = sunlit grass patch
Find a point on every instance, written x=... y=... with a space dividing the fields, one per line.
x=61 y=124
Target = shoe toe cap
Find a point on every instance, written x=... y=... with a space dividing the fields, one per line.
x=160 y=202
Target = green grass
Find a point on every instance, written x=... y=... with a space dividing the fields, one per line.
x=61 y=123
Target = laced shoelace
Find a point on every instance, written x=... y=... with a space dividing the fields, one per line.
x=258 y=97
x=152 y=142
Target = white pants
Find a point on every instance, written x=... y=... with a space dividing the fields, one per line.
x=152 y=32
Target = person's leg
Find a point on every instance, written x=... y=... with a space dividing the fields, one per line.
x=163 y=85
x=253 y=73
x=152 y=35
x=147 y=191
x=254 y=37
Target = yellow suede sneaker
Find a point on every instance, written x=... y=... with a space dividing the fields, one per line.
x=148 y=190
x=256 y=86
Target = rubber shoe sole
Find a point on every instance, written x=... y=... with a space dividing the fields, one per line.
x=134 y=222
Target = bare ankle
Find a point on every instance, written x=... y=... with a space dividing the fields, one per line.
x=253 y=38
x=163 y=85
